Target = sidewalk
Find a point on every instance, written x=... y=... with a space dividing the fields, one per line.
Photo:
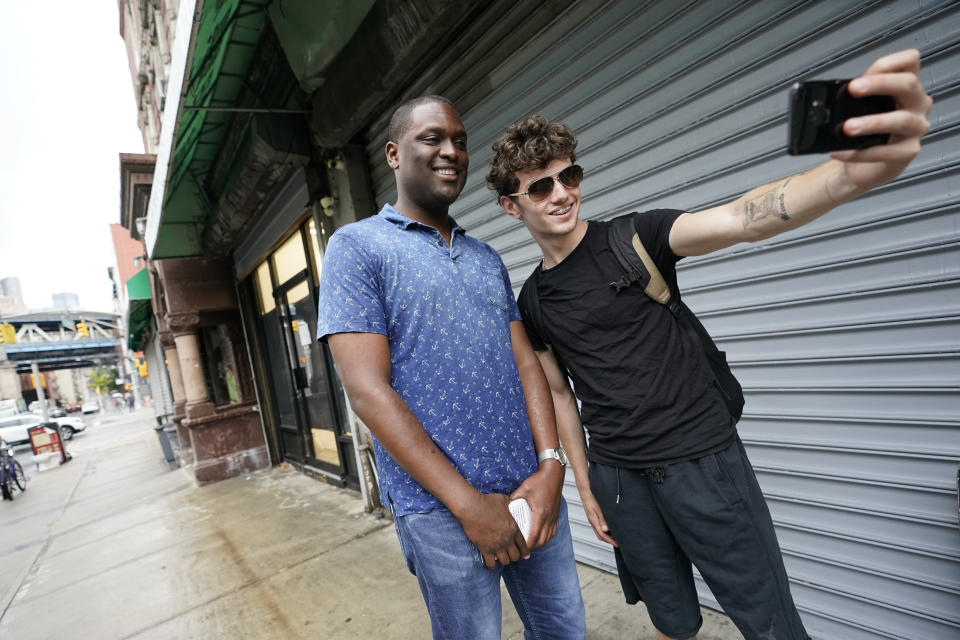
x=115 y=545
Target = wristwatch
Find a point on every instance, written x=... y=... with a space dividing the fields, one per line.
x=557 y=454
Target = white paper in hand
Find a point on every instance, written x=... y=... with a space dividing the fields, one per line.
x=520 y=510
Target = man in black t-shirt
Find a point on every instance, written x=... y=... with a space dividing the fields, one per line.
x=668 y=482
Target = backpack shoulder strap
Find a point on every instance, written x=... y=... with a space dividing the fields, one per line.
x=529 y=300
x=636 y=262
x=639 y=266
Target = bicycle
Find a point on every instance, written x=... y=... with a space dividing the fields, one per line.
x=12 y=477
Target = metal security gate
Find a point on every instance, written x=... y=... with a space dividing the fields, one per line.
x=844 y=333
x=157 y=374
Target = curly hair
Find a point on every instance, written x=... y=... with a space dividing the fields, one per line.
x=528 y=145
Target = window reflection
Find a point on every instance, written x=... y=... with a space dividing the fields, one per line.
x=315 y=245
x=306 y=392
x=298 y=293
x=290 y=259
x=218 y=347
x=264 y=289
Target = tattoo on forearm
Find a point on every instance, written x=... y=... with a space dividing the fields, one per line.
x=766 y=204
x=780 y=199
x=760 y=206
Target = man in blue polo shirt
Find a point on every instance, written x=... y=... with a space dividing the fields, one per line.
x=422 y=323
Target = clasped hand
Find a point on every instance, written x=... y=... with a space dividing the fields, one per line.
x=491 y=528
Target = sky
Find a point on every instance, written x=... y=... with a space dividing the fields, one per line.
x=67 y=111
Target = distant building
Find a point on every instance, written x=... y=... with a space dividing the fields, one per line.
x=10 y=288
x=147 y=30
x=130 y=257
x=11 y=297
x=66 y=301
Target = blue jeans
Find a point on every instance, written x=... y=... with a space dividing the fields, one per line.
x=463 y=596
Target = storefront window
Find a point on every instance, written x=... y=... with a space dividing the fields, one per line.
x=289 y=259
x=220 y=365
x=306 y=392
x=316 y=242
x=264 y=289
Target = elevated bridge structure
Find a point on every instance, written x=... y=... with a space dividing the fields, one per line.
x=62 y=340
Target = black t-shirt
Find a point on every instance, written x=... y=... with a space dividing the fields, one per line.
x=647 y=394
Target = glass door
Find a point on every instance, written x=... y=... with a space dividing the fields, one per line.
x=309 y=407
x=310 y=374
x=278 y=365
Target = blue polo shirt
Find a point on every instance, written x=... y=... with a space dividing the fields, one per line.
x=446 y=312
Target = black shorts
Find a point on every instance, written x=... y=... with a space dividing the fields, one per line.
x=710 y=512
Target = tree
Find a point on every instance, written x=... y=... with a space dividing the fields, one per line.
x=103 y=380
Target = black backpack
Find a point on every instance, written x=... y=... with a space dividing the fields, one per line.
x=638 y=267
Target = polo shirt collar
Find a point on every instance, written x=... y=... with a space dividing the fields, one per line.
x=392 y=215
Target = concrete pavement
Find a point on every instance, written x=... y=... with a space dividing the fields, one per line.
x=115 y=544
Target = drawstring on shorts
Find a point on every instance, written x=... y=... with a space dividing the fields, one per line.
x=657 y=474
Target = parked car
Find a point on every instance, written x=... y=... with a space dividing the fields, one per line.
x=70 y=426
x=90 y=406
x=53 y=411
x=14 y=429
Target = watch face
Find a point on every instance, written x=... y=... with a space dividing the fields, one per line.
x=562 y=456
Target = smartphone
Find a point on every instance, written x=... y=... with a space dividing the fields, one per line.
x=817 y=111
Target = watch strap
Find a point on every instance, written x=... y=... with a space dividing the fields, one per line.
x=557 y=454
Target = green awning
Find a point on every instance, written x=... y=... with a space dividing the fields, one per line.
x=226 y=41
x=313 y=32
x=138 y=286
x=139 y=309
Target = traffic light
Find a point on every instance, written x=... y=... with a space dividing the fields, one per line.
x=8 y=333
x=82 y=330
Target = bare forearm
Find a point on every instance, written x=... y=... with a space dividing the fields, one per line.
x=536 y=391
x=789 y=203
x=399 y=431
x=571 y=435
x=539 y=404
x=794 y=201
x=540 y=411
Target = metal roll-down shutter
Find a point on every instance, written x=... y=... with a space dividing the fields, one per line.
x=844 y=333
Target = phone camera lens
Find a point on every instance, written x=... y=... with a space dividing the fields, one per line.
x=819 y=115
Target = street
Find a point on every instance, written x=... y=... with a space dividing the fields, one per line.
x=110 y=426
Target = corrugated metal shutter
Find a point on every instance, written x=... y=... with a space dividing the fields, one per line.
x=844 y=333
x=157 y=375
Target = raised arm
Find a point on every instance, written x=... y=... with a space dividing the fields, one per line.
x=773 y=208
x=574 y=442
x=543 y=489
x=364 y=362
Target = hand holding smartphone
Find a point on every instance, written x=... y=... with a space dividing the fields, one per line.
x=520 y=510
x=818 y=110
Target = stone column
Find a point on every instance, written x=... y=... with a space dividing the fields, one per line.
x=225 y=440
x=191 y=370
x=179 y=396
x=173 y=370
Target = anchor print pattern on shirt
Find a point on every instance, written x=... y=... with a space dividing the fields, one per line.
x=446 y=311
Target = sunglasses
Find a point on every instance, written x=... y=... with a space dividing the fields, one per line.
x=539 y=190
